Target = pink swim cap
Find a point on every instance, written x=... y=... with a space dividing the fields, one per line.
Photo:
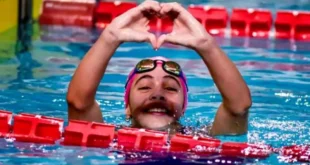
x=183 y=84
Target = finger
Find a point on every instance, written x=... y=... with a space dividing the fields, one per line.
x=176 y=10
x=139 y=36
x=166 y=38
x=133 y=13
x=150 y=5
x=127 y=17
x=152 y=39
x=173 y=39
x=160 y=41
x=166 y=8
x=171 y=7
x=147 y=37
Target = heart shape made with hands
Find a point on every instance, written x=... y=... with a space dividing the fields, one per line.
x=186 y=29
x=134 y=26
x=175 y=33
x=168 y=18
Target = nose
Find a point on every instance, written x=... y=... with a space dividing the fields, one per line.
x=157 y=95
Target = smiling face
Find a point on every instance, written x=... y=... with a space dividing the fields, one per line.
x=155 y=99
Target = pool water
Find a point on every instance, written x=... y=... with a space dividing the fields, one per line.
x=35 y=80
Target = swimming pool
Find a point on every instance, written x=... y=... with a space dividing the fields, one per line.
x=36 y=80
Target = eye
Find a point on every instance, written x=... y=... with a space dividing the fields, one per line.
x=144 y=88
x=171 y=89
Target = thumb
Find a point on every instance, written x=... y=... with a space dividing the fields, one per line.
x=146 y=37
x=152 y=40
x=149 y=37
x=170 y=38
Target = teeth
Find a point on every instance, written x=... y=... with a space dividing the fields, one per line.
x=158 y=110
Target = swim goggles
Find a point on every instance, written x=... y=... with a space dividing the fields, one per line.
x=147 y=65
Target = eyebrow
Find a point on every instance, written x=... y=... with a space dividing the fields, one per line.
x=144 y=77
x=151 y=77
x=172 y=77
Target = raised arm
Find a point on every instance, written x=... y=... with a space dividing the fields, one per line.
x=232 y=114
x=128 y=27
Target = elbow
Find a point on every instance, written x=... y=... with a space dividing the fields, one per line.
x=76 y=103
x=240 y=108
x=246 y=105
x=247 y=102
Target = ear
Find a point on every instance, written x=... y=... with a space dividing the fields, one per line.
x=128 y=112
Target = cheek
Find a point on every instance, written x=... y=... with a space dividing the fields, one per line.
x=135 y=99
x=177 y=100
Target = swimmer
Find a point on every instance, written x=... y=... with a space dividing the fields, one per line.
x=156 y=88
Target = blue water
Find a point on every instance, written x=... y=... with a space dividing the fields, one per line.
x=277 y=72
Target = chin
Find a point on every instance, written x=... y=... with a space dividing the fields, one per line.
x=154 y=122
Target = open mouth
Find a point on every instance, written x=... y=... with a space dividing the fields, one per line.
x=158 y=111
x=158 y=108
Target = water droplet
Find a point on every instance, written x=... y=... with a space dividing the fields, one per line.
x=119 y=156
x=10 y=140
x=111 y=157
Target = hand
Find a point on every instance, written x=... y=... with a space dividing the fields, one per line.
x=186 y=31
x=132 y=26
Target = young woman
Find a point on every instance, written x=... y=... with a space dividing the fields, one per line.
x=156 y=89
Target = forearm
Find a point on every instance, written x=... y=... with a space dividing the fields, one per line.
x=85 y=81
x=235 y=92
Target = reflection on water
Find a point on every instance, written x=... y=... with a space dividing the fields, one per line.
x=16 y=152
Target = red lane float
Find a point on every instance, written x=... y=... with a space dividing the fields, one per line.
x=284 y=25
x=198 y=145
x=198 y=12
x=68 y=13
x=292 y=25
x=30 y=128
x=107 y=11
x=82 y=133
x=246 y=150
x=251 y=22
x=35 y=128
x=41 y=129
x=302 y=29
x=141 y=139
x=166 y=25
x=163 y=25
x=300 y=153
x=5 y=122
x=155 y=24
x=255 y=23
x=214 y=19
